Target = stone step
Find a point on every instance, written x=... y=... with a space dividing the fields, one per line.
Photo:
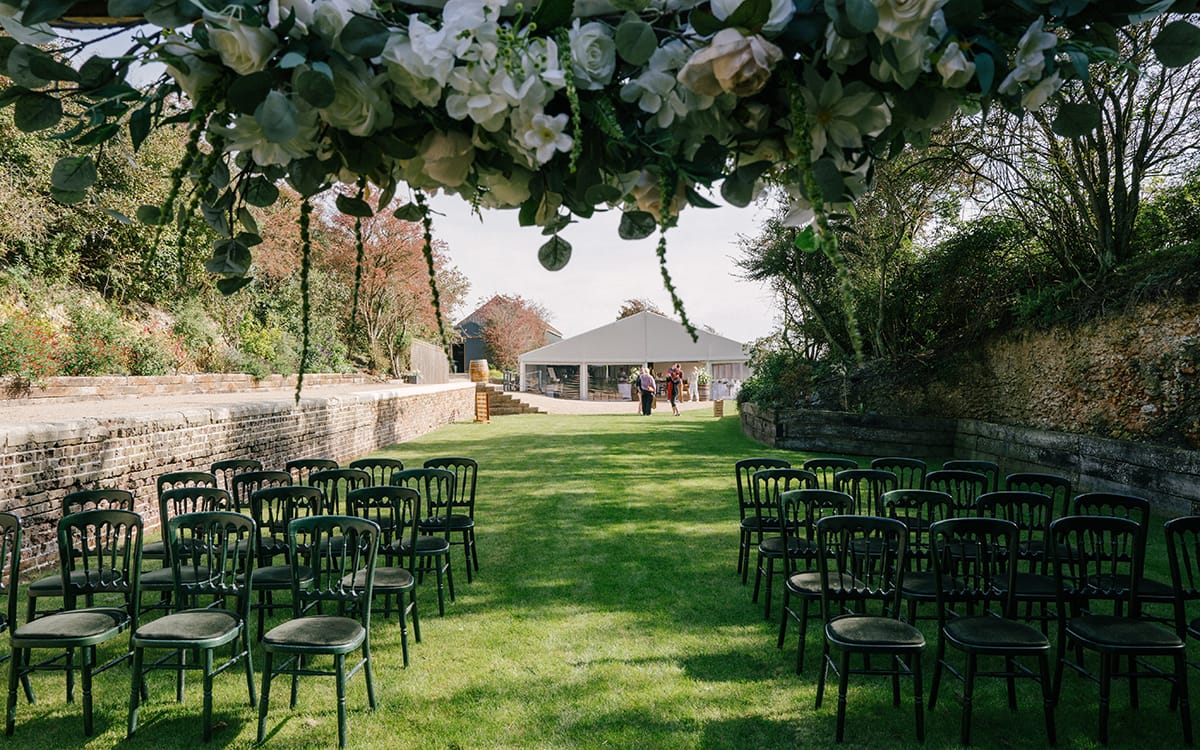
x=502 y=403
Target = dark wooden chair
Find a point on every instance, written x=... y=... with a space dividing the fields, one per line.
x=436 y=487
x=826 y=470
x=767 y=484
x=380 y=469
x=867 y=487
x=229 y=468
x=910 y=472
x=750 y=533
x=461 y=507
x=989 y=469
x=394 y=509
x=963 y=487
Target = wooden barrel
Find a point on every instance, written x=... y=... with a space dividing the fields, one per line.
x=479 y=371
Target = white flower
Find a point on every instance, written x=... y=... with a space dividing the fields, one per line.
x=1037 y=96
x=419 y=63
x=477 y=94
x=841 y=117
x=544 y=136
x=245 y=134
x=904 y=19
x=957 y=71
x=502 y=190
x=732 y=63
x=360 y=103
x=242 y=47
x=193 y=73
x=593 y=54
x=781 y=13
x=279 y=10
x=447 y=157
x=331 y=16
x=471 y=29
x=1031 y=56
x=911 y=58
x=656 y=90
x=841 y=52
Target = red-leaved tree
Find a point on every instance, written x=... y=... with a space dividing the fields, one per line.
x=512 y=326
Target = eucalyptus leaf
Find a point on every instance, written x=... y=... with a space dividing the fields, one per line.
x=246 y=219
x=636 y=225
x=36 y=111
x=409 y=212
x=553 y=14
x=705 y=23
x=122 y=8
x=45 y=10
x=751 y=14
x=172 y=14
x=635 y=39
x=1074 y=120
x=291 y=60
x=599 y=193
x=45 y=66
x=1152 y=12
x=737 y=190
x=261 y=192
x=962 y=13
x=829 y=179
x=277 y=117
x=696 y=199
x=68 y=197
x=117 y=216
x=216 y=219
x=73 y=173
x=352 y=206
x=249 y=239
x=863 y=15
x=308 y=176
x=316 y=88
x=98 y=135
x=248 y=92
x=231 y=285
x=364 y=36
x=139 y=126
x=555 y=254
x=1178 y=44
x=20 y=66
x=985 y=71
x=150 y=215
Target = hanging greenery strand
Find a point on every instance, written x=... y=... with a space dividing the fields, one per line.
x=427 y=249
x=305 y=306
x=668 y=219
x=208 y=167
x=359 y=253
x=161 y=215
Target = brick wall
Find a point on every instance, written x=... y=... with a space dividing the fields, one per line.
x=76 y=388
x=41 y=463
x=1168 y=477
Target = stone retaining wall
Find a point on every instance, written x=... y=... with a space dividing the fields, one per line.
x=122 y=386
x=1168 y=477
x=41 y=463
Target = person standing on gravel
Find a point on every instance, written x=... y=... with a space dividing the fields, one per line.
x=646 y=386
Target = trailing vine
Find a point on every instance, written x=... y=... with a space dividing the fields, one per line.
x=427 y=250
x=360 y=252
x=667 y=219
x=305 y=306
x=207 y=168
x=162 y=214
x=568 y=69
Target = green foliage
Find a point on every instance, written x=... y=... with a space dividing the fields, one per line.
x=28 y=347
x=97 y=343
x=153 y=352
x=781 y=379
x=1170 y=217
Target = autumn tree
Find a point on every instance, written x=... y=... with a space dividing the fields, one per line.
x=635 y=306
x=394 y=301
x=512 y=326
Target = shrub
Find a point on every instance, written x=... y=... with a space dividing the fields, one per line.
x=97 y=343
x=28 y=347
x=154 y=351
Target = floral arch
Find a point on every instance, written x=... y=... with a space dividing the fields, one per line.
x=557 y=108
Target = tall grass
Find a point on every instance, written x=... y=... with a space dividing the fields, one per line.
x=606 y=614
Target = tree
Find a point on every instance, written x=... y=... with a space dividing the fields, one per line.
x=512 y=326
x=1079 y=194
x=635 y=306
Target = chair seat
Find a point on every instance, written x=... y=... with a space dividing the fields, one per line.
x=52 y=585
x=754 y=523
x=200 y=628
x=426 y=545
x=316 y=633
x=1193 y=628
x=1122 y=633
x=867 y=632
x=82 y=627
x=162 y=579
x=773 y=547
x=154 y=551
x=387 y=579
x=995 y=634
x=808 y=583
x=1036 y=586
x=924 y=584
x=458 y=522
x=1151 y=590
x=276 y=577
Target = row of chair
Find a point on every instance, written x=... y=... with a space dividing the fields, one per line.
x=276 y=513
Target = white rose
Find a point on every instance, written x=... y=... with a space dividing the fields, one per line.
x=904 y=19
x=732 y=63
x=647 y=193
x=841 y=52
x=280 y=10
x=1037 y=96
x=331 y=16
x=360 y=103
x=593 y=55
x=193 y=73
x=957 y=71
x=781 y=13
x=910 y=59
x=242 y=47
x=446 y=157
x=1031 y=56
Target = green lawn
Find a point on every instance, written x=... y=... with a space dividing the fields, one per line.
x=606 y=614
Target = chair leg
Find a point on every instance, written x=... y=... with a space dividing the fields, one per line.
x=1047 y=698
x=758 y=571
x=968 y=697
x=135 y=691
x=14 y=671
x=843 y=682
x=266 y=696
x=449 y=576
x=440 y=588
x=88 y=659
x=1106 y=665
x=784 y=616
x=1181 y=687
x=1010 y=667
x=466 y=540
x=339 y=666
x=416 y=620
x=207 y=661
x=179 y=676
x=937 y=673
x=370 y=675
x=403 y=629
x=474 y=552
x=821 y=674
x=1133 y=683
x=767 y=593
x=246 y=657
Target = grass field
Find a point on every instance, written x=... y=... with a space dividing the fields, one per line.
x=606 y=614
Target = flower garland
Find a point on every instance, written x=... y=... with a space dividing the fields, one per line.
x=557 y=108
